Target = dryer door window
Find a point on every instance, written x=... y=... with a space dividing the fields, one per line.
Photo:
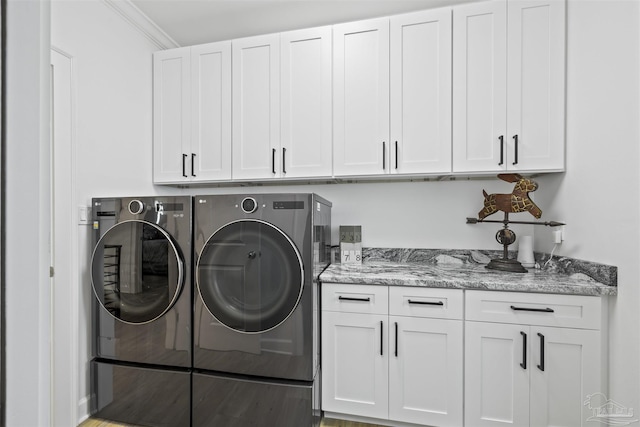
x=250 y=276
x=137 y=271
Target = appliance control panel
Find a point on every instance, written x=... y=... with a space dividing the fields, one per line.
x=297 y=204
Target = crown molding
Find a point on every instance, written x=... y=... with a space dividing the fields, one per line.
x=141 y=22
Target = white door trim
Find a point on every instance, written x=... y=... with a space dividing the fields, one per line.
x=65 y=327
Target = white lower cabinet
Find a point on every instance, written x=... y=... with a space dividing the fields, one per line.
x=355 y=365
x=531 y=359
x=392 y=354
x=425 y=371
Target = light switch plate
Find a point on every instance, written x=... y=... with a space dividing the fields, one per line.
x=84 y=215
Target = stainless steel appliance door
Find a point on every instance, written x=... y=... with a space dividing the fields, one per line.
x=137 y=272
x=250 y=276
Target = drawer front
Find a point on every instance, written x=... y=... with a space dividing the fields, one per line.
x=355 y=298
x=426 y=302
x=571 y=311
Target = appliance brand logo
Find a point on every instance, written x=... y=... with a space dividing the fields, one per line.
x=608 y=411
x=202 y=201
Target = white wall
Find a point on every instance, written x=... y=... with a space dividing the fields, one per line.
x=27 y=221
x=113 y=70
x=598 y=195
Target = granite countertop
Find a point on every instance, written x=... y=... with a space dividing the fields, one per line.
x=466 y=270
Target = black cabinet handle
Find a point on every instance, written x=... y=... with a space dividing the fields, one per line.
x=540 y=310
x=515 y=160
x=541 y=365
x=384 y=155
x=193 y=158
x=524 y=350
x=426 y=302
x=184 y=167
x=501 y=138
x=273 y=161
x=396 y=154
x=284 y=152
x=396 y=339
x=341 y=298
x=381 y=336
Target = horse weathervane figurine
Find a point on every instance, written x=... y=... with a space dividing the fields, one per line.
x=516 y=201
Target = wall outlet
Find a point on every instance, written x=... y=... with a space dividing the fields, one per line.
x=558 y=235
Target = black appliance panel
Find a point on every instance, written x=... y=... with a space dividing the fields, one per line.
x=141 y=396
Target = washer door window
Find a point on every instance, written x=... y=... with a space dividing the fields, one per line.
x=250 y=276
x=137 y=272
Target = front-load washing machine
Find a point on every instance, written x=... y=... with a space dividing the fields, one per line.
x=142 y=310
x=256 y=313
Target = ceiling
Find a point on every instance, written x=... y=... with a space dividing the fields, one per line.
x=190 y=22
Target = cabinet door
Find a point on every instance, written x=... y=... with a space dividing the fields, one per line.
x=421 y=92
x=535 y=84
x=361 y=98
x=355 y=364
x=496 y=385
x=572 y=372
x=425 y=371
x=256 y=107
x=211 y=112
x=171 y=116
x=306 y=103
x=479 y=86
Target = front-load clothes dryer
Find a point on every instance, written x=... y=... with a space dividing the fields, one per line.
x=256 y=312
x=142 y=308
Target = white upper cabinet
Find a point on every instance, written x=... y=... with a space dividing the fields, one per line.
x=211 y=112
x=192 y=121
x=171 y=115
x=508 y=86
x=535 y=84
x=361 y=98
x=306 y=139
x=256 y=107
x=421 y=92
x=479 y=86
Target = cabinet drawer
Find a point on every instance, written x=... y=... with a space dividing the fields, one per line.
x=426 y=302
x=572 y=311
x=355 y=298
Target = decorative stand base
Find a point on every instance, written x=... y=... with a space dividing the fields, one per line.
x=510 y=265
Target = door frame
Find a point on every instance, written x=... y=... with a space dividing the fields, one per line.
x=65 y=326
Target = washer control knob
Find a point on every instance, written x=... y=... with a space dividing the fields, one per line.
x=136 y=207
x=249 y=205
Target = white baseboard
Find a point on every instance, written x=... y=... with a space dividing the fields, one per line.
x=84 y=409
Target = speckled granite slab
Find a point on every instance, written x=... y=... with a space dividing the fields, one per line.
x=464 y=269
